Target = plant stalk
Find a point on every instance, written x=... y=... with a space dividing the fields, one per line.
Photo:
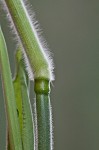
x=44 y=118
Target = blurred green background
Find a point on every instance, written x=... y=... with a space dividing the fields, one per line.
x=71 y=28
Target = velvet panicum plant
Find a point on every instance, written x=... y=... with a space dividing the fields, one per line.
x=25 y=130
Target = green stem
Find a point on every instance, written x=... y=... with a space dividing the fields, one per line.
x=44 y=122
x=41 y=68
x=38 y=60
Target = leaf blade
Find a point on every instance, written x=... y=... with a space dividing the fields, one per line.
x=10 y=102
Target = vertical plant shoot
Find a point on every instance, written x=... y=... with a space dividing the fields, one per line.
x=41 y=65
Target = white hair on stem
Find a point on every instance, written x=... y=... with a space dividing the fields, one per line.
x=17 y=39
x=27 y=65
x=35 y=126
x=51 y=127
x=10 y=22
x=37 y=32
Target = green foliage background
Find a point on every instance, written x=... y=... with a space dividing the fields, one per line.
x=72 y=31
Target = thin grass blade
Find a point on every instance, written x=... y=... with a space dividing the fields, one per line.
x=10 y=102
x=21 y=86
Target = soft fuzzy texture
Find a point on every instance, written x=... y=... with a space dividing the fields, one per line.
x=37 y=32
